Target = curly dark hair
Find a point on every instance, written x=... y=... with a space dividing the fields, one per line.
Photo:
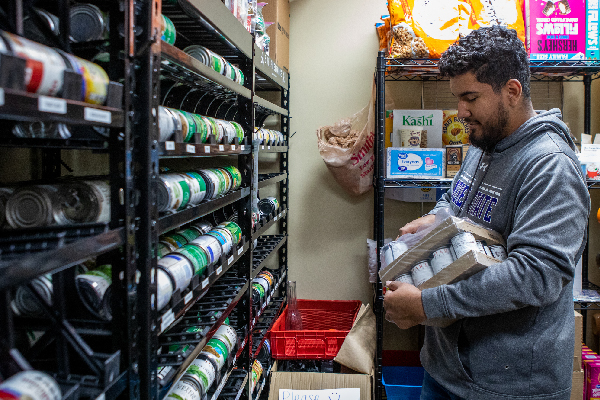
x=494 y=54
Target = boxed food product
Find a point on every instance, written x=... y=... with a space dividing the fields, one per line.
x=593 y=380
x=278 y=12
x=590 y=160
x=454 y=130
x=592 y=44
x=556 y=29
x=454 y=159
x=389 y=127
x=429 y=120
x=415 y=163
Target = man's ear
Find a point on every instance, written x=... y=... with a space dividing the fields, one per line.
x=513 y=91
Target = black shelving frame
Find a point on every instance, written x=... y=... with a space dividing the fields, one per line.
x=390 y=69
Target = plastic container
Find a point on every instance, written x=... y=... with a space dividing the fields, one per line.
x=325 y=325
x=402 y=382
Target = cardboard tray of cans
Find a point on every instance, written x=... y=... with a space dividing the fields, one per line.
x=463 y=267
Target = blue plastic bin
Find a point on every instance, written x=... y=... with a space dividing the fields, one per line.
x=403 y=383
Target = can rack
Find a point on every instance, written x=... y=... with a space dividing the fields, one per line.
x=389 y=69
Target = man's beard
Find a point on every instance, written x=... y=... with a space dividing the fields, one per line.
x=492 y=132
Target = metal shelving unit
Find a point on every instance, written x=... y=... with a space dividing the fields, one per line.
x=389 y=69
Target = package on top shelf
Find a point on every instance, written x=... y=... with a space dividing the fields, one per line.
x=590 y=161
x=556 y=29
x=278 y=12
x=428 y=120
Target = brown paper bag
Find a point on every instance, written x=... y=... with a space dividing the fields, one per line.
x=358 y=350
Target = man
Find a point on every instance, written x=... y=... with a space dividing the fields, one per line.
x=513 y=332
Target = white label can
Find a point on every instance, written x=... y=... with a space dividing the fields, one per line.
x=185 y=389
x=211 y=247
x=463 y=243
x=203 y=371
x=498 y=252
x=180 y=268
x=227 y=335
x=481 y=246
x=392 y=251
x=441 y=258
x=406 y=278
x=34 y=385
x=421 y=272
x=164 y=288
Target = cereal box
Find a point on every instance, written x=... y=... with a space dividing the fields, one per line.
x=429 y=120
x=592 y=40
x=454 y=159
x=556 y=29
x=454 y=130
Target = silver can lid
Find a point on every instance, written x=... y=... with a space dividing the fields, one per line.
x=87 y=23
x=32 y=206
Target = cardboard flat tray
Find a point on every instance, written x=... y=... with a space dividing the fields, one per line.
x=467 y=265
x=440 y=236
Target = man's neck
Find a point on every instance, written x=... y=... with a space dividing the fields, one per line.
x=521 y=116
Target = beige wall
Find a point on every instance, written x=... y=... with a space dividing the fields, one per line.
x=333 y=49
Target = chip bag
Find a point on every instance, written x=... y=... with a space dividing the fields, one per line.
x=506 y=12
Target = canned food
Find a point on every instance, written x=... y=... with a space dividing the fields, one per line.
x=261 y=292
x=406 y=278
x=34 y=206
x=392 y=251
x=32 y=385
x=481 y=247
x=225 y=179
x=203 y=226
x=173 y=192
x=239 y=131
x=95 y=80
x=203 y=371
x=268 y=206
x=421 y=272
x=227 y=335
x=191 y=124
x=262 y=281
x=92 y=286
x=164 y=248
x=217 y=129
x=175 y=239
x=210 y=129
x=442 y=257
x=463 y=243
x=179 y=268
x=498 y=252
x=41 y=129
x=44 y=67
x=201 y=186
x=197 y=257
x=234 y=229
x=200 y=53
x=211 y=246
x=239 y=75
x=268 y=276
x=166 y=124
x=26 y=303
x=164 y=288
x=224 y=237
x=88 y=23
x=32 y=30
x=217 y=351
x=168 y=31
x=196 y=193
x=212 y=183
x=185 y=389
x=189 y=234
x=257 y=370
x=85 y=201
x=201 y=127
x=236 y=175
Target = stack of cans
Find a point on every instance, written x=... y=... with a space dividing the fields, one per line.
x=61 y=204
x=175 y=191
x=268 y=136
x=216 y=62
x=171 y=120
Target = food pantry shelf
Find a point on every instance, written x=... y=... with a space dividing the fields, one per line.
x=266 y=246
x=271 y=179
x=170 y=149
x=418 y=183
x=270 y=106
x=272 y=149
x=267 y=223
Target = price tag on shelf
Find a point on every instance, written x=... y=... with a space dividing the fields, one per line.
x=170 y=145
x=52 y=105
x=242 y=147
x=166 y=320
x=240 y=250
x=204 y=283
x=268 y=147
x=262 y=147
x=276 y=217
x=221 y=147
x=95 y=115
x=188 y=297
x=219 y=270
x=2 y=98
x=233 y=147
x=230 y=260
x=207 y=149
x=190 y=148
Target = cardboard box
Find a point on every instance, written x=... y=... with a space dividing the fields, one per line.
x=577 y=385
x=430 y=120
x=278 y=12
x=415 y=163
x=454 y=159
x=592 y=43
x=555 y=32
x=465 y=266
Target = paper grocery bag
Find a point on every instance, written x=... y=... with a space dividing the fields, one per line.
x=358 y=350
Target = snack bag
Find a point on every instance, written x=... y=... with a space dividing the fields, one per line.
x=421 y=27
x=454 y=130
x=506 y=12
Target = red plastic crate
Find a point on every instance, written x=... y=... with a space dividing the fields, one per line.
x=325 y=325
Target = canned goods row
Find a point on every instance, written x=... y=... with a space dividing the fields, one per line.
x=216 y=62
x=34 y=385
x=61 y=204
x=268 y=136
x=257 y=370
x=171 y=120
x=442 y=257
x=201 y=374
x=261 y=288
x=189 y=252
x=45 y=68
x=268 y=206
x=175 y=191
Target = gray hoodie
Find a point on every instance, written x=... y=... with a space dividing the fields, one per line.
x=514 y=334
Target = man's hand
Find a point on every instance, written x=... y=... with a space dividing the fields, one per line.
x=412 y=226
x=403 y=305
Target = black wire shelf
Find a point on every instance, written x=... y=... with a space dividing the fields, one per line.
x=418 y=183
x=267 y=222
x=266 y=246
x=271 y=179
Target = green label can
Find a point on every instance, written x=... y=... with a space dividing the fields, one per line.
x=168 y=30
x=197 y=257
x=185 y=389
x=203 y=371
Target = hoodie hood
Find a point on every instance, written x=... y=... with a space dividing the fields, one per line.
x=541 y=123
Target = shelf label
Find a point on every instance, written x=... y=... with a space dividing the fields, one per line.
x=207 y=149
x=230 y=260
x=242 y=147
x=268 y=147
x=170 y=145
x=233 y=147
x=52 y=105
x=262 y=147
x=276 y=217
x=221 y=147
x=188 y=297
x=204 y=283
x=219 y=270
x=240 y=250
x=2 y=97
x=166 y=320
x=190 y=148
x=95 y=115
